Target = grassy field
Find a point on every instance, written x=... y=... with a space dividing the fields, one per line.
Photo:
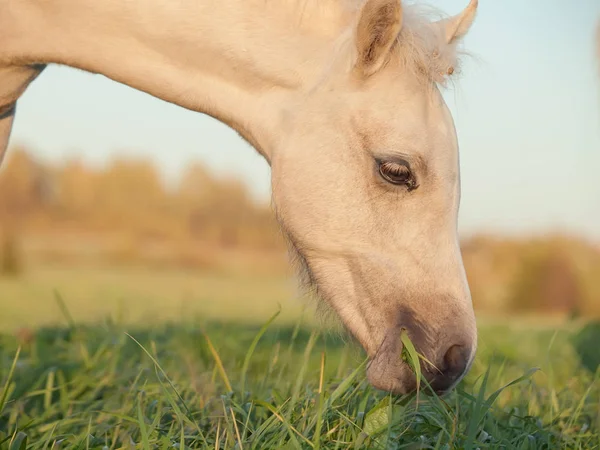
x=139 y=359
x=141 y=295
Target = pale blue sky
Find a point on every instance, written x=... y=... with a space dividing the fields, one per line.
x=527 y=111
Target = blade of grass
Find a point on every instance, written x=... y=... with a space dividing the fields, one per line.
x=49 y=390
x=237 y=431
x=302 y=372
x=345 y=385
x=64 y=310
x=143 y=429
x=257 y=435
x=317 y=435
x=482 y=407
x=88 y=434
x=412 y=356
x=182 y=440
x=11 y=372
x=492 y=398
x=18 y=442
x=219 y=363
x=476 y=409
x=289 y=427
x=247 y=423
x=251 y=349
x=158 y=367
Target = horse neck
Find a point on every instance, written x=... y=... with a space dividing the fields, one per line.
x=239 y=61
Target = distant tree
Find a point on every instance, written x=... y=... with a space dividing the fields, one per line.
x=130 y=192
x=126 y=201
x=559 y=286
x=24 y=184
x=11 y=263
x=194 y=197
x=546 y=282
x=215 y=208
x=77 y=189
x=490 y=265
x=196 y=187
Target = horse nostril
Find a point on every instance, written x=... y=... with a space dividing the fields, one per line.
x=453 y=367
x=455 y=361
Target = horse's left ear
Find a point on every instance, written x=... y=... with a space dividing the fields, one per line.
x=378 y=28
x=457 y=26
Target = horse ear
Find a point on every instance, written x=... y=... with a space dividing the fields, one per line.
x=457 y=26
x=378 y=27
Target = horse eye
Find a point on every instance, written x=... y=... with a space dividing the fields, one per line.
x=397 y=173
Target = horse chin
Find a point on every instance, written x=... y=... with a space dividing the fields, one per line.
x=391 y=374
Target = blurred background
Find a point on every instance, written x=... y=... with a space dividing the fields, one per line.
x=128 y=206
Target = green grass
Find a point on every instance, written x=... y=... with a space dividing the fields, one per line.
x=214 y=385
x=206 y=382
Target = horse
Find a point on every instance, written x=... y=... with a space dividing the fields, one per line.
x=343 y=99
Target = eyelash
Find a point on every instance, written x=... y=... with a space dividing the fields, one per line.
x=397 y=173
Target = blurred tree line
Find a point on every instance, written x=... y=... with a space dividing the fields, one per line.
x=198 y=221
x=124 y=213
x=549 y=275
x=129 y=196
